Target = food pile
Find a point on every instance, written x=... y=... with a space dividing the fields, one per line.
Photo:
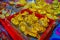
x=29 y=24
x=51 y=10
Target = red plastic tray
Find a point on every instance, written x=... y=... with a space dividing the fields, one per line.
x=4 y=33
x=44 y=35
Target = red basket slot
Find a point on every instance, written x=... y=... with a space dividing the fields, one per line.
x=13 y=32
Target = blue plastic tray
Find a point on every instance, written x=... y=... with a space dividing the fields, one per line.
x=56 y=33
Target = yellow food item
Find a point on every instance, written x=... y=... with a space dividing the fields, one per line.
x=32 y=9
x=25 y=13
x=39 y=27
x=49 y=16
x=55 y=17
x=32 y=34
x=22 y=28
x=2 y=16
x=14 y=21
x=23 y=2
x=44 y=21
x=36 y=26
x=25 y=32
x=33 y=30
x=20 y=18
x=22 y=23
x=7 y=14
x=34 y=18
x=43 y=12
x=42 y=29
